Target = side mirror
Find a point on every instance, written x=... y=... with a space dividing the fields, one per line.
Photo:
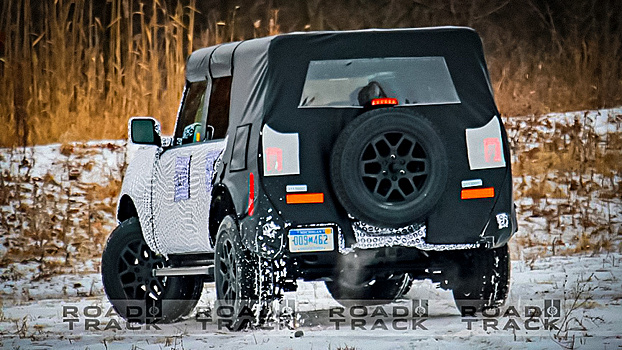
x=195 y=133
x=192 y=133
x=145 y=131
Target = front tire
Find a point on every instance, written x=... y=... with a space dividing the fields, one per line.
x=137 y=295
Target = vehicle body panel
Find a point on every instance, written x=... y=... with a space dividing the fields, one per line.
x=182 y=196
x=137 y=184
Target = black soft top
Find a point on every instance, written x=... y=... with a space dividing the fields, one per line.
x=268 y=79
x=269 y=73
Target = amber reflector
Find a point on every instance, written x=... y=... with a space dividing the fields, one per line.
x=488 y=192
x=301 y=198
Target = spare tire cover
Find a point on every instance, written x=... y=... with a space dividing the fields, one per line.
x=389 y=167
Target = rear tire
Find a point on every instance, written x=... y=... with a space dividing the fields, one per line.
x=350 y=290
x=244 y=284
x=137 y=295
x=483 y=281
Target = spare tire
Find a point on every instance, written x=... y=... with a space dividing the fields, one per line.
x=389 y=167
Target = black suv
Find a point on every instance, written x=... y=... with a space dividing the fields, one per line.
x=362 y=158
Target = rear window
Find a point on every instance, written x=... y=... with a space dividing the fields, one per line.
x=348 y=83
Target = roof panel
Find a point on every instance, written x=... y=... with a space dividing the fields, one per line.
x=197 y=67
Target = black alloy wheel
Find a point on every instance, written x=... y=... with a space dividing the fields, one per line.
x=394 y=167
x=236 y=278
x=134 y=292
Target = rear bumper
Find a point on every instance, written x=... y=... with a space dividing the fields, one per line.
x=378 y=261
x=266 y=233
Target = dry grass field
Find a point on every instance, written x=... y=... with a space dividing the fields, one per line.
x=67 y=74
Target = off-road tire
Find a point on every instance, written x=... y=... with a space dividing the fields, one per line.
x=482 y=280
x=389 y=167
x=350 y=290
x=137 y=295
x=244 y=282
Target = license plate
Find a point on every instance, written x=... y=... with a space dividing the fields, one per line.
x=311 y=239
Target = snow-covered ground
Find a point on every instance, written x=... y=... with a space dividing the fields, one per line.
x=57 y=204
x=588 y=288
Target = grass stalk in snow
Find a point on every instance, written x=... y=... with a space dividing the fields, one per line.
x=71 y=78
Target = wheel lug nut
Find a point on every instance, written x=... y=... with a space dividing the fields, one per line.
x=402 y=172
x=393 y=156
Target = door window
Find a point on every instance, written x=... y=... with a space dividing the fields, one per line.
x=191 y=122
x=218 y=110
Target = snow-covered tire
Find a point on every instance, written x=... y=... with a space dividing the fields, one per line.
x=244 y=283
x=135 y=294
x=482 y=280
x=389 y=167
x=351 y=289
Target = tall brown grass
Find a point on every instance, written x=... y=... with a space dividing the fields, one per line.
x=75 y=79
x=582 y=76
x=69 y=75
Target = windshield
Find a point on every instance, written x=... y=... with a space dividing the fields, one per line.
x=353 y=83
